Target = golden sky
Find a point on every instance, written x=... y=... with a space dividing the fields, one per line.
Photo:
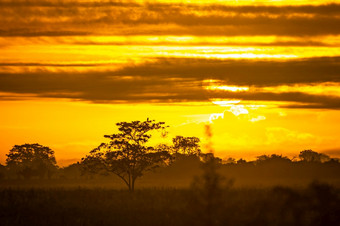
x=264 y=74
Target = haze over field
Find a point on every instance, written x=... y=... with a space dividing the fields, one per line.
x=264 y=74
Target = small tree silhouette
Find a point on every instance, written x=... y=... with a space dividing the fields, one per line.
x=186 y=145
x=126 y=154
x=312 y=156
x=274 y=159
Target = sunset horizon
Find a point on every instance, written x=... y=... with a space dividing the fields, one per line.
x=265 y=75
x=170 y=112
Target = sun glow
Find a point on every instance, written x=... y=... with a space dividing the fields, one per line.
x=327 y=88
x=213 y=84
x=225 y=103
x=228 y=88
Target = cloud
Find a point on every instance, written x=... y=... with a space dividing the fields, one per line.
x=60 y=18
x=35 y=32
x=242 y=72
x=100 y=87
x=34 y=64
x=320 y=43
x=277 y=135
x=258 y=118
x=182 y=80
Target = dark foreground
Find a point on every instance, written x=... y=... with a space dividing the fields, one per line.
x=318 y=204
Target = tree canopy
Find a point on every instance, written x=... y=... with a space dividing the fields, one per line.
x=312 y=156
x=186 y=145
x=30 y=160
x=274 y=159
x=126 y=154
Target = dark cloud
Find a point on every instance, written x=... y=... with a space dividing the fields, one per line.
x=23 y=32
x=324 y=9
x=65 y=3
x=243 y=72
x=182 y=80
x=33 y=64
x=99 y=87
x=52 y=18
x=300 y=100
x=206 y=43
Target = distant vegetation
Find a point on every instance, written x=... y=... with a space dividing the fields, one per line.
x=127 y=157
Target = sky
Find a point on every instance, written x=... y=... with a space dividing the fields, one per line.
x=265 y=75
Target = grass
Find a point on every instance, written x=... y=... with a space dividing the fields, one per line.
x=318 y=204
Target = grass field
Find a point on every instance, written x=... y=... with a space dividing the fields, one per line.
x=317 y=204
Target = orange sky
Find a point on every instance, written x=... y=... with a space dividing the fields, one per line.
x=264 y=74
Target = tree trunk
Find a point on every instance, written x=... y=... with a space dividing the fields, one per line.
x=130 y=188
x=133 y=185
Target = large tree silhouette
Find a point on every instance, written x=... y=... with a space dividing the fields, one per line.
x=126 y=154
x=30 y=160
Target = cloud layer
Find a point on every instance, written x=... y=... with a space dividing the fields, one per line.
x=178 y=80
x=67 y=25
x=63 y=18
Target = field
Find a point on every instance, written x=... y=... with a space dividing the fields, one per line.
x=316 y=204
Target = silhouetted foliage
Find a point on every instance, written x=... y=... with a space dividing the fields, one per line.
x=208 y=157
x=229 y=160
x=207 y=190
x=312 y=156
x=126 y=155
x=186 y=145
x=274 y=159
x=211 y=200
x=71 y=171
x=241 y=161
x=168 y=149
x=164 y=147
x=29 y=160
x=2 y=171
x=317 y=205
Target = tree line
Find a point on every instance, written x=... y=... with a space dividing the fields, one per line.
x=128 y=155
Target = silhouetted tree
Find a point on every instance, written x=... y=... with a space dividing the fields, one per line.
x=312 y=156
x=207 y=203
x=168 y=149
x=186 y=145
x=229 y=160
x=30 y=160
x=163 y=147
x=72 y=171
x=241 y=161
x=2 y=171
x=126 y=154
x=274 y=158
x=207 y=157
x=262 y=158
